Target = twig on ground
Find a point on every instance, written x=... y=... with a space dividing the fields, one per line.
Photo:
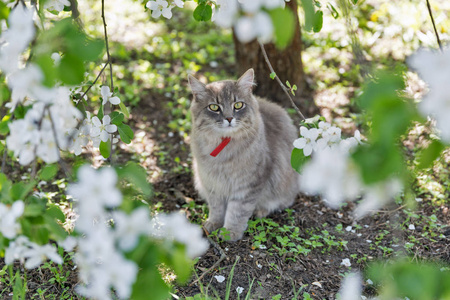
x=285 y=89
x=222 y=257
x=434 y=26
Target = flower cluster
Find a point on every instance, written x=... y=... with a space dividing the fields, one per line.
x=434 y=68
x=332 y=173
x=20 y=247
x=175 y=227
x=44 y=129
x=99 y=256
x=249 y=17
x=325 y=137
x=17 y=38
x=8 y=218
x=57 y=5
x=51 y=124
x=23 y=249
x=163 y=7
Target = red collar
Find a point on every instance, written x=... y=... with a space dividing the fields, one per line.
x=225 y=141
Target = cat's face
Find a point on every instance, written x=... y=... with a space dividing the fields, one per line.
x=225 y=107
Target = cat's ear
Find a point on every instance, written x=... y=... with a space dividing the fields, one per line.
x=247 y=81
x=197 y=87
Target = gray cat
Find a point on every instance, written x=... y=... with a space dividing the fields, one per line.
x=242 y=146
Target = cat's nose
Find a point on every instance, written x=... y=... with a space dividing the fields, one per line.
x=229 y=119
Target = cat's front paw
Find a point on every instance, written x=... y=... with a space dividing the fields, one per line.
x=261 y=213
x=211 y=226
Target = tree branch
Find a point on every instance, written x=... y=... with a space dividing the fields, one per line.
x=98 y=76
x=55 y=136
x=108 y=107
x=434 y=26
x=285 y=89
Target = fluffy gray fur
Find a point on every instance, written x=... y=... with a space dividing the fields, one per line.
x=252 y=174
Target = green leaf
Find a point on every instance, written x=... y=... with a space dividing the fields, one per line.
x=71 y=69
x=116 y=118
x=136 y=175
x=48 y=172
x=33 y=210
x=146 y=255
x=180 y=263
x=309 y=10
x=124 y=109
x=430 y=154
x=105 y=148
x=298 y=159
x=20 y=190
x=273 y=75
x=284 y=26
x=45 y=62
x=203 y=12
x=354 y=1
x=318 y=21
x=4 y=128
x=55 y=212
x=378 y=162
x=100 y=112
x=333 y=10
x=4 y=11
x=126 y=133
x=53 y=228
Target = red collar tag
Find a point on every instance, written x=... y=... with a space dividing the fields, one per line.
x=225 y=141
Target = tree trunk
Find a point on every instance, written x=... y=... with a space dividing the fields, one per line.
x=287 y=64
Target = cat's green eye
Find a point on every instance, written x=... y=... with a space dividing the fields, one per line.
x=214 y=107
x=238 y=105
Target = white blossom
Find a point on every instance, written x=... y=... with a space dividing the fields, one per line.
x=258 y=26
x=219 y=278
x=351 y=288
x=16 y=249
x=24 y=83
x=378 y=194
x=56 y=58
x=128 y=228
x=96 y=187
x=8 y=218
x=69 y=243
x=79 y=139
x=160 y=7
x=16 y=38
x=57 y=5
x=332 y=174
x=239 y=290
x=106 y=96
x=102 y=129
x=308 y=140
x=225 y=13
x=434 y=68
x=179 y=3
x=175 y=226
x=36 y=255
x=346 y=262
x=32 y=254
x=44 y=128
